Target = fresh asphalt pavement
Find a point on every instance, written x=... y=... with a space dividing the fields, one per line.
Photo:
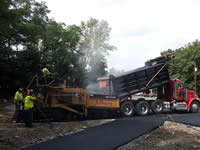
x=111 y=135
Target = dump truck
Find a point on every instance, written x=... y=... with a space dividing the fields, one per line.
x=113 y=94
x=154 y=75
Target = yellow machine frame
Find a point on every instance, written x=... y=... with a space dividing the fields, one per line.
x=73 y=97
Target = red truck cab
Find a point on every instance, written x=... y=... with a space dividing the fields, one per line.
x=178 y=98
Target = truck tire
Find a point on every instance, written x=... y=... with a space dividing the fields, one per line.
x=157 y=106
x=127 y=109
x=194 y=107
x=142 y=108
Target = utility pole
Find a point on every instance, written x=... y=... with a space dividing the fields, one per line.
x=195 y=77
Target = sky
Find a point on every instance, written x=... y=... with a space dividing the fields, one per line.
x=141 y=29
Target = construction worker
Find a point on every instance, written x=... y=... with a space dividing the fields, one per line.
x=45 y=72
x=18 y=102
x=28 y=109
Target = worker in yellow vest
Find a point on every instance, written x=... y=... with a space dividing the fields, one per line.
x=18 y=102
x=45 y=72
x=28 y=109
x=47 y=75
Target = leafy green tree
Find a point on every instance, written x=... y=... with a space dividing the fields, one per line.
x=59 y=49
x=95 y=47
x=182 y=66
x=98 y=68
x=17 y=34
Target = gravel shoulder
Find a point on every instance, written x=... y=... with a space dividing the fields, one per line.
x=170 y=136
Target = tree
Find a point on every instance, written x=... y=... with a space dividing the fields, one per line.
x=60 y=50
x=98 y=67
x=95 y=47
x=182 y=67
x=30 y=40
x=20 y=30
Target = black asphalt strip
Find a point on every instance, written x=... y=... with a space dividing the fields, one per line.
x=114 y=134
x=187 y=118
x=104 y=137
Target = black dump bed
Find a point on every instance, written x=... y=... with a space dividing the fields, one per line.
x=154 y=74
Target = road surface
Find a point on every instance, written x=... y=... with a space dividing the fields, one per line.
x=114 y=134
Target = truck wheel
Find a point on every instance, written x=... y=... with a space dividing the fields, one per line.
x=194 y=107
x=127 y=109
x=157 y=106
x=142 y=108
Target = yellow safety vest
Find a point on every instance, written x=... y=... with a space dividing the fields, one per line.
x=28 y=104
x=45 y=71
x=18 y=96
